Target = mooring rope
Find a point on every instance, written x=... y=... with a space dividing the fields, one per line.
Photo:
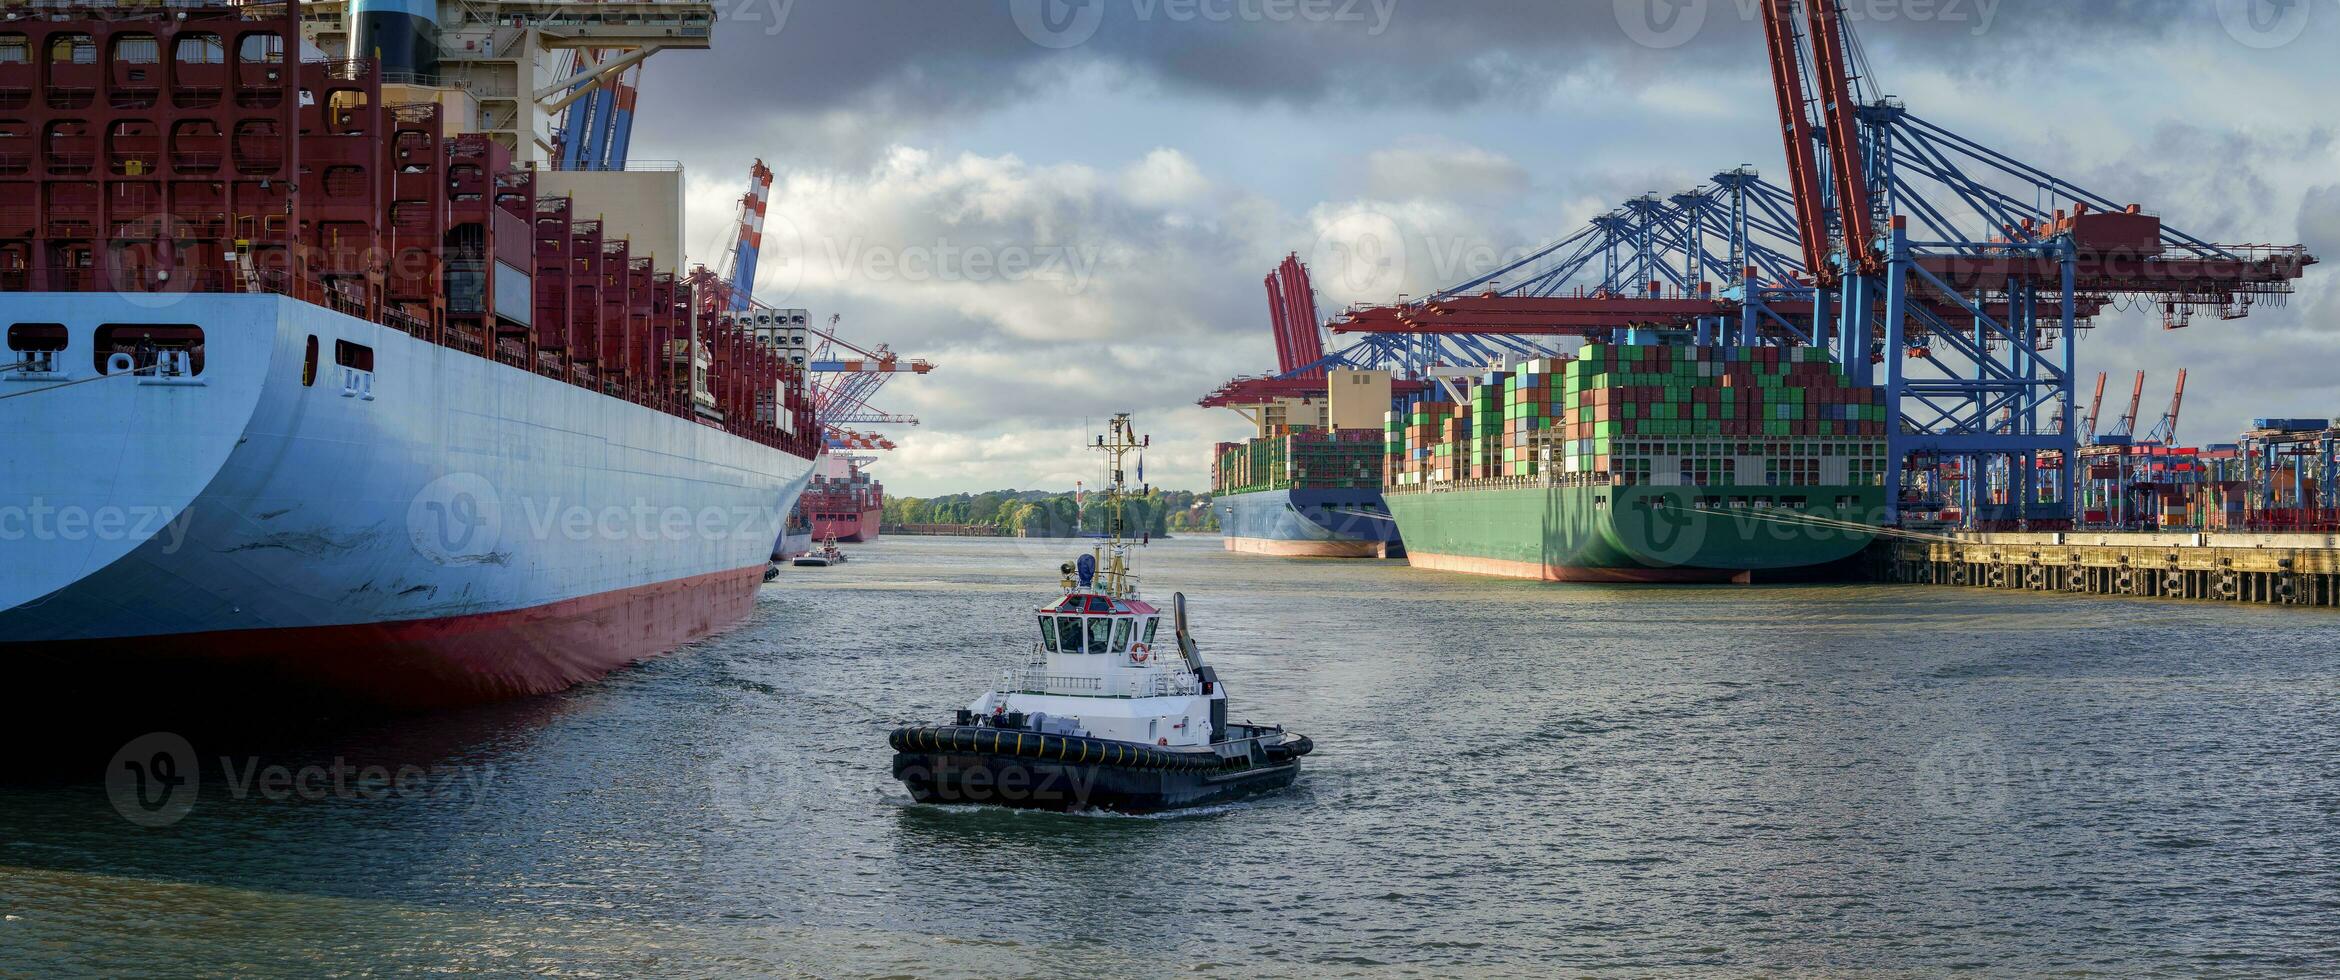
x=153 y=368
x=1797 y=518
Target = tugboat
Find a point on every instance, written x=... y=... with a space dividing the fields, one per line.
x=1101 y=716
x=829 y=555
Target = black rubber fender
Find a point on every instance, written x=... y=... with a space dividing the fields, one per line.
x=1071 y=749
x=1297 y=746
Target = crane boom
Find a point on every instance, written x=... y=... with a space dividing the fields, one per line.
x=750 y=240
x=1795 y=124
x=1829 y=88
x=2128 y=423
x=2166 y=432
x=2095 y=406
x=1832 y=62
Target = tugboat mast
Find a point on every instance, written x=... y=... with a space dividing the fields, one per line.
x=1112 y=556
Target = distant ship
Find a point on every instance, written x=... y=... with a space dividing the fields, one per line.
x=1643 y=463
x=1305 y=494
x=843 y=503
x=376 y=415
x=1309 y=483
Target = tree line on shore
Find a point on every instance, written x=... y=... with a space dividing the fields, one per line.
x=1041 y=513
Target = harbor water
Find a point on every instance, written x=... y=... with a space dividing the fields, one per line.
x=1510 y=778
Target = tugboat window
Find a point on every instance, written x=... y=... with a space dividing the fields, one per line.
x=1151 y=623
x=1048 y=633
x=1100 y=630
x=1121 y=635
x=1068 y=631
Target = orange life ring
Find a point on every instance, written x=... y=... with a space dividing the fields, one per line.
x=1139 y=652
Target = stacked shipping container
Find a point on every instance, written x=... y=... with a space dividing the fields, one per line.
x=1657 y=415
x=185 y=148
x=1300 y=458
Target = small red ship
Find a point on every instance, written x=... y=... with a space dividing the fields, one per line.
x=843 y=502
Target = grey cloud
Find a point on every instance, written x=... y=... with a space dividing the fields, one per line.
x=801 y=59
x=2319 y=222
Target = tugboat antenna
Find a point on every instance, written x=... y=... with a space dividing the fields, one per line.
x=1120 y=439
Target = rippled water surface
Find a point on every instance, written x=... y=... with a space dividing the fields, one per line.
x=1509 y=778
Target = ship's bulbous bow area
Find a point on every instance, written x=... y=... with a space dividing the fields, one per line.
x=95 y=464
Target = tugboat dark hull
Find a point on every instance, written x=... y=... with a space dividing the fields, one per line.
x=1032 y=771
x=1028 y=784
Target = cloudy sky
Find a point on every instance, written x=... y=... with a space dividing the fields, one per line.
x=1069 y=204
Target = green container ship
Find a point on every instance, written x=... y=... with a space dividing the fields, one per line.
x=1643 y=463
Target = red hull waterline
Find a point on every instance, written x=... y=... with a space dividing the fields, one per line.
x=414 y=664
x=848 y=530
x=1535 y=572
x=1303 y=549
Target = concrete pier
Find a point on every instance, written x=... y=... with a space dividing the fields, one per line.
x=2271 y=569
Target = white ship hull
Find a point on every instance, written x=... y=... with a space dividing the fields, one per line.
x=440 y=528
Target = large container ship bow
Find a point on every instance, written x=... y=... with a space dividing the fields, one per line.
x=1652 y=463
x=311 y=390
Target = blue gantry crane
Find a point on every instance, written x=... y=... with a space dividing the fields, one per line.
x=1953 y=275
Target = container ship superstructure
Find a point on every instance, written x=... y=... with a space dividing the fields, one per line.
x=322 y=387
x=843 y=503
x=1307 y=483
x=1648 y=462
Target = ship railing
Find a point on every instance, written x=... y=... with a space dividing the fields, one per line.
x=1042 y=682
x=1166 y=685
x=1151 y=685
x=1537 y=482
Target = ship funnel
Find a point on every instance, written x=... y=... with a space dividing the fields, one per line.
x=403 y=35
